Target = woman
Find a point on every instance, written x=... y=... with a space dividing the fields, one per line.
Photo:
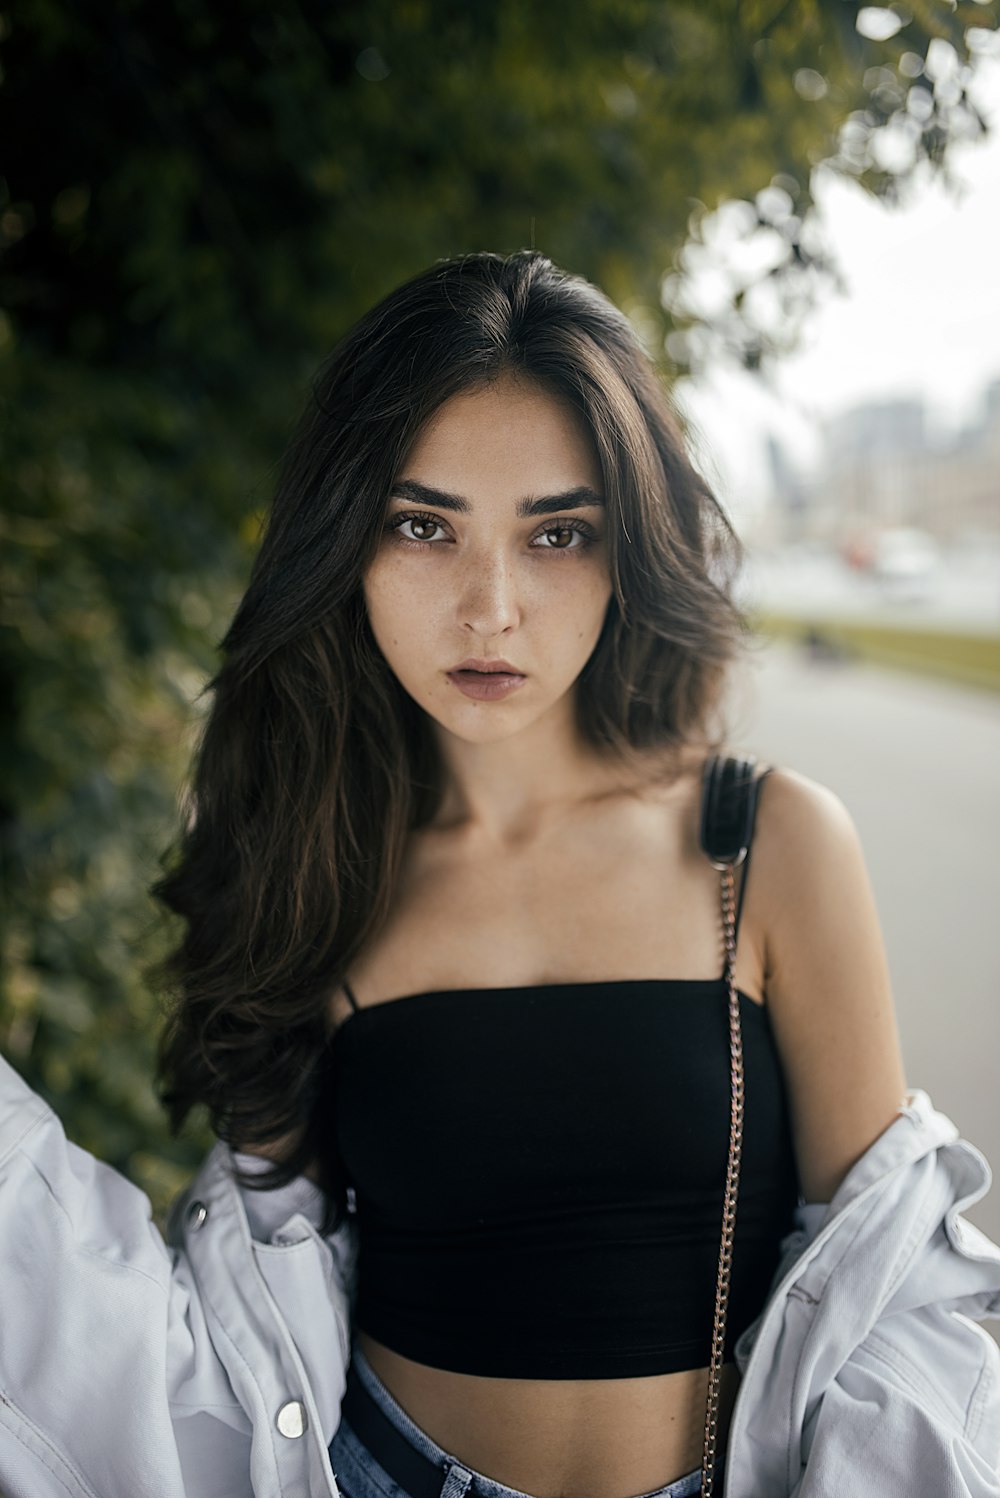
x=452 y=945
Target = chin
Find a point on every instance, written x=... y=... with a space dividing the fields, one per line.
x=483 y=722
x=482 y=727
x=478 y=722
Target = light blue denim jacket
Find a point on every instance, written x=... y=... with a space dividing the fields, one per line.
x=212 y=1364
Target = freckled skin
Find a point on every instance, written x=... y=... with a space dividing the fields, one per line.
x=489 y=584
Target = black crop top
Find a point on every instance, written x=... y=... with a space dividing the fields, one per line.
x=539 y=1174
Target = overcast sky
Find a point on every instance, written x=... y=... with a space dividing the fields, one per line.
x=921 y=318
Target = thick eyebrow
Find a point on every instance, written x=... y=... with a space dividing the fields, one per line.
x=547 y=504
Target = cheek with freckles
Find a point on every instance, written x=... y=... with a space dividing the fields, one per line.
x=417 y=626
x=406 y=630
x=549 y=607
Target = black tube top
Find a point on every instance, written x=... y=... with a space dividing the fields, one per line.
x=539 y=1173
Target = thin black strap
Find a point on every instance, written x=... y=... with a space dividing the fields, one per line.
x=349 y=992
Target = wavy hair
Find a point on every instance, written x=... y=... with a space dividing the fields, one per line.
x=313 y=764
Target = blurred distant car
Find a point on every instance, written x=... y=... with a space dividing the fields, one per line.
x=857 y=553
x=906 y=563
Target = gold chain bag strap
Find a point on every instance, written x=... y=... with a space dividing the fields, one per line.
x=727 y=813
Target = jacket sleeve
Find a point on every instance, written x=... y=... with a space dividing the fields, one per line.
x=868 y=1370
x=913 y=1410
x=133 y=1364
x=918 y=1398
x=94 y=1322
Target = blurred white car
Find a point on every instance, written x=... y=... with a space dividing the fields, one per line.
x=906 y=563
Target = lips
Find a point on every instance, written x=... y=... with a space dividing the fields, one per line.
x=487 y=667
x=487 y=681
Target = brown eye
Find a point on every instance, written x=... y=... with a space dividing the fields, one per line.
x=423 y=528
x=566 y=530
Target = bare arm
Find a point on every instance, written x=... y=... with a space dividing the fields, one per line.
x=827 y=981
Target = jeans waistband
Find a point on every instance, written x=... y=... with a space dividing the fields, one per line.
x=415 y=1462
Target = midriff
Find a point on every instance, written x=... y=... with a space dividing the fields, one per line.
x=561 y=1438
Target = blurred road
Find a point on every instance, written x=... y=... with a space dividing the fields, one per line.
x=918 y=766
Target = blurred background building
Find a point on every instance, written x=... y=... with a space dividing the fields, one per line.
x=883 y=466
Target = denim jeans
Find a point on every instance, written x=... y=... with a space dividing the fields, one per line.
x=360 y=1475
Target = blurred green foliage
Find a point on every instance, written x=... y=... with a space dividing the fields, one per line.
x=195 y=202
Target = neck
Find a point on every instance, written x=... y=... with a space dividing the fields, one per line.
x=510 y=791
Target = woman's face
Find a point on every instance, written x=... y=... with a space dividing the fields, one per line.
x=494 y=550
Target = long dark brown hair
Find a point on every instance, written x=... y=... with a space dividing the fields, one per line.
x=313 y=763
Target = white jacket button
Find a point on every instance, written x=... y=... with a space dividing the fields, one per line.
x=291 y=1419
x=197 y=1212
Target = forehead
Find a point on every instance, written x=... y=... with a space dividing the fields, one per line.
x=511 y=435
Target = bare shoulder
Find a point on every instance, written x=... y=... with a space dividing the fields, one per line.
x=799 y=806
x=803 y=830
x=827 y=981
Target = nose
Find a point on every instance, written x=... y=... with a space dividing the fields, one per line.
x=488 y=603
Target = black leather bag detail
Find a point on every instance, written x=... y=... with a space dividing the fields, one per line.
x=729 y=798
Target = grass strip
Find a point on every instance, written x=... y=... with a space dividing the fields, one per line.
x=970 y=658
